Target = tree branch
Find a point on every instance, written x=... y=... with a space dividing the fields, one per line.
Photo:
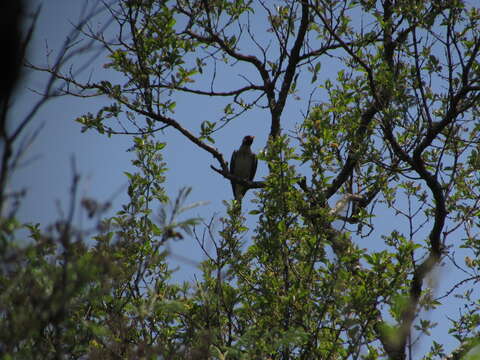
x=228 y=175
x=290 y=71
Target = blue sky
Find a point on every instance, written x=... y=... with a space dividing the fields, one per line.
x=102 y=161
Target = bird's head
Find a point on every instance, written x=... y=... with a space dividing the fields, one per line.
x=248 y=140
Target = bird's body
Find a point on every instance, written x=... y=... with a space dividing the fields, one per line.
x=243 y=164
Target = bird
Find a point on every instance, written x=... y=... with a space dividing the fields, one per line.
x=243 y=164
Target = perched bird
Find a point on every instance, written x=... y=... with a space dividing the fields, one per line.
x=243 y=164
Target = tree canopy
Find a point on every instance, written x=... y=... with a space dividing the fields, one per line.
x=370 y=189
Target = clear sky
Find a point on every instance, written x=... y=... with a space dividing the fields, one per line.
x=101 y=161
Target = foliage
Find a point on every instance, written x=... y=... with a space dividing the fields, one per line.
x=394 y=135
